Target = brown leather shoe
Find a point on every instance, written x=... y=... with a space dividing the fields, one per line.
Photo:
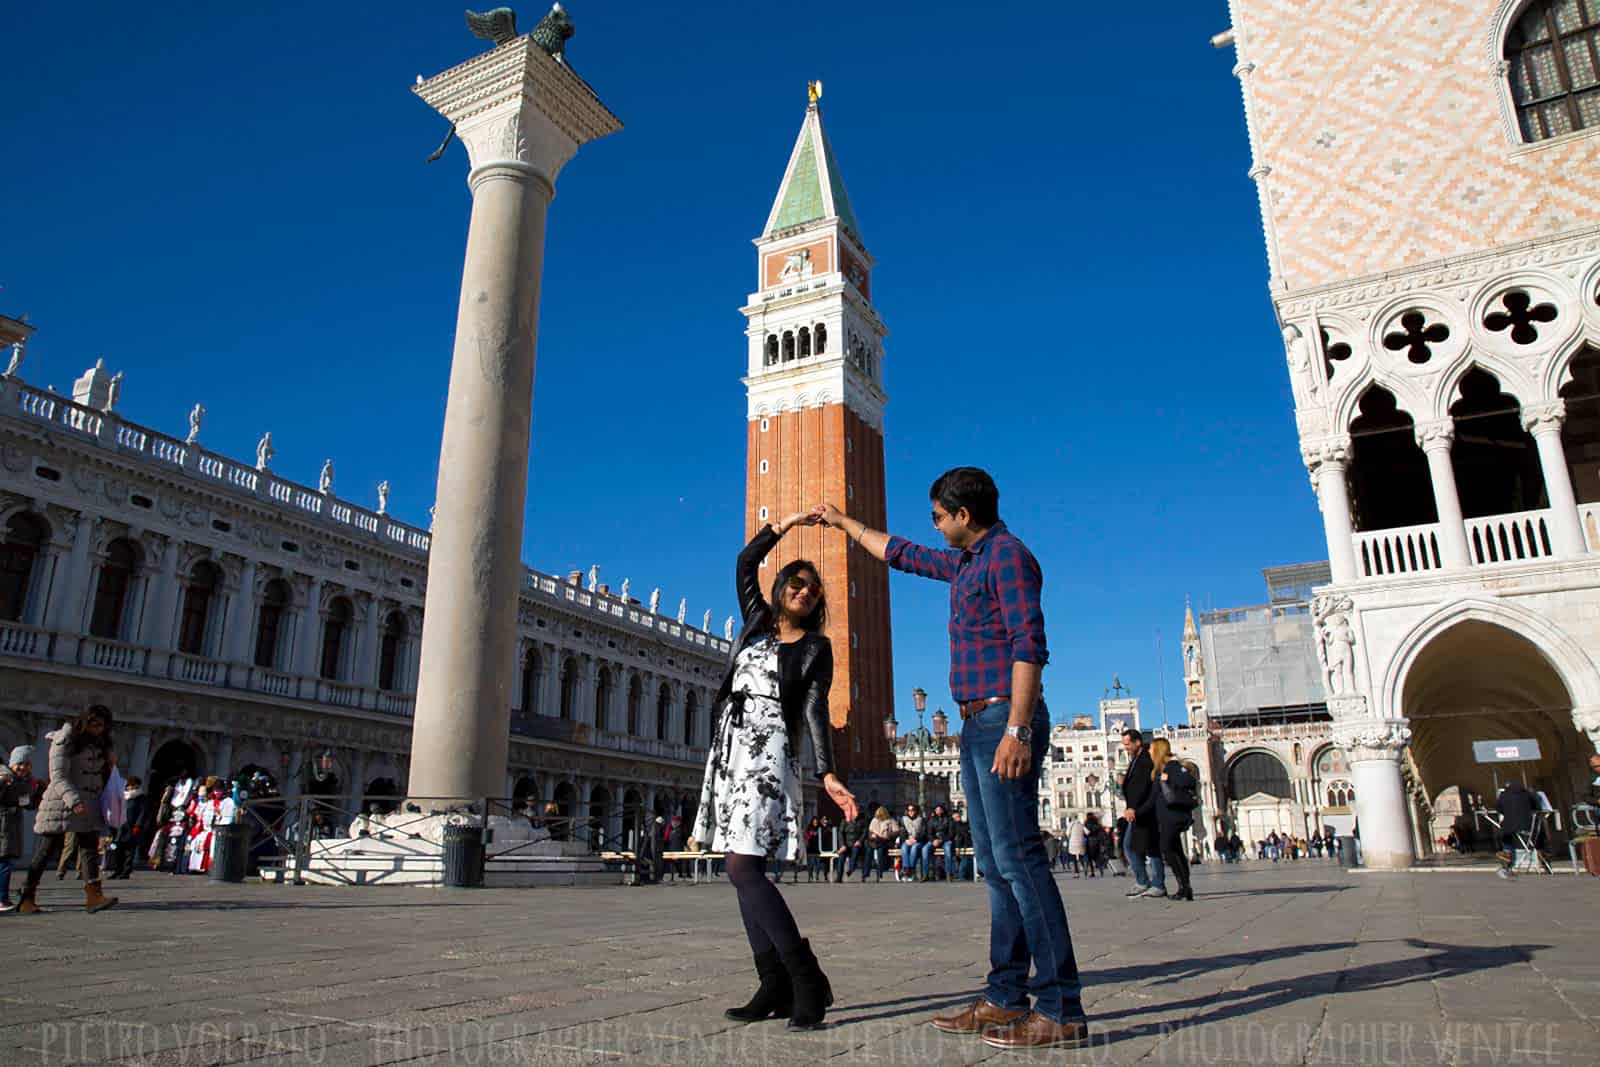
x=1037 y=1031
x=976 y=1018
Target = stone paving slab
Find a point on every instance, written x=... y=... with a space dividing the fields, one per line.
x=1289 y=963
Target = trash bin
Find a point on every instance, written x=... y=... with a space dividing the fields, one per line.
x=230 y=852
x=1348 y=856
x=463 y=855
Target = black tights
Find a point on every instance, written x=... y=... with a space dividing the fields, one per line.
x=1172 y=852
x=767 y=920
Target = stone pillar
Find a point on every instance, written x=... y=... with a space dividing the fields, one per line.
x=1544 y=421
x=584 y=712
x=358 y=781
x=161 y=610
x=521 y=116
x=1436 y=439
x=306 y=643
x=369 y=648
x=1327 y=461
x=550 y=681
x=222 y=757
x=239 y=615
x=139 y=758
x=1382 y=809
x=67 y=609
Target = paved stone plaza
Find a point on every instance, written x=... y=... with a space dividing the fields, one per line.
x=1298 y=963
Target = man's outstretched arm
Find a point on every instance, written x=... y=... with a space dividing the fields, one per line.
x=874 y=541
x=897 y=552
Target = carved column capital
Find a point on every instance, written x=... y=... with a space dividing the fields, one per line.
x=1544 y=418
x=1437 y=435
x=1320 y=453
x=1587 y=720
x=1372 y=739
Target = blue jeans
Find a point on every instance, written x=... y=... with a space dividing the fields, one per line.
x=1136 y=860
x=912 y=856
x=949 y=850
x=880 y=858
x=1027 y=921
x=5 y=879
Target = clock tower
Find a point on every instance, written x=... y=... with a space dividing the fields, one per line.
x=815 y=424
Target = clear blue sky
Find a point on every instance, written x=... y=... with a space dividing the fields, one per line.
x=231 y=206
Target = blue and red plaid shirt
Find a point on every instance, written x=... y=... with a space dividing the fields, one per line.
x=995 y=616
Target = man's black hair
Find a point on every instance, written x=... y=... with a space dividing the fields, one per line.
x=970 y=488
x=1137 y=735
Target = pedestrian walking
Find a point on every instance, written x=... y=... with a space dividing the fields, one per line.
x=1142 y=843
x=81 y=756
x=1077 y=844
x=997 y=653
x=779 y=673
x=129 y=838
x=1174 y=799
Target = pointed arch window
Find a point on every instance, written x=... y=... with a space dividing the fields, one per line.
x=820 y=336
x=1553 y=61
x=788 y=346
x=805 y=342
x=772 y=349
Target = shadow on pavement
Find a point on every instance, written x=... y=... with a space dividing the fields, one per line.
x=1435 y=961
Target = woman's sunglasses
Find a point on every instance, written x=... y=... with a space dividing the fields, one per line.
x=798 y=583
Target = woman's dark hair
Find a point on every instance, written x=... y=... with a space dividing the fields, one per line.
x=80 y=729
x=970 y=488
x=818 y=618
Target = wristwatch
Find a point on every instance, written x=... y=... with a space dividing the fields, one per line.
x=1021 y=733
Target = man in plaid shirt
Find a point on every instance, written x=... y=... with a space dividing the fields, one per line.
x=997 y=650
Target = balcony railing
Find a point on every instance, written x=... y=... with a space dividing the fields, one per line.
x=198 y=669
x=113 y=655
x=19 y=639
x=1406 y=550
x=1514 y=538
x=1492 y=541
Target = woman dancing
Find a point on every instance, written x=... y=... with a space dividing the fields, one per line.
x=778 y=677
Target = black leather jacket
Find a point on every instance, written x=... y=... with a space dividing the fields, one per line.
x=805 y=667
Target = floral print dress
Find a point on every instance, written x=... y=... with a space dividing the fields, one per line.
x=750 y=800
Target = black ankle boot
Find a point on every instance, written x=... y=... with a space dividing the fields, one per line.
x=775 y=997
x=813 y=996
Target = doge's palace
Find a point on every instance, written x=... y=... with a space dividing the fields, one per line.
x=235 y=621
x=1429 y=204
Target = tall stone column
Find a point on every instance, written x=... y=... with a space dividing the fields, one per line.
x=1374 y=747
x=1544 y=421
x=239 y=615
x=1436 y=439
x=139 y=758
x=308 y=645
x=222 y=758
x=521 y=116
x=1327 y=460
x=66 y=613
x=161 y=609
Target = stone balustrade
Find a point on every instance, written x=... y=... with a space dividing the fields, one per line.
x=1492 y=541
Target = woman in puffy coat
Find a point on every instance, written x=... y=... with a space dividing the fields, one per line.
x=80 y=758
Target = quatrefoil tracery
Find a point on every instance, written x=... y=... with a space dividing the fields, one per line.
x=1519 y=316
x=1416 y=337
